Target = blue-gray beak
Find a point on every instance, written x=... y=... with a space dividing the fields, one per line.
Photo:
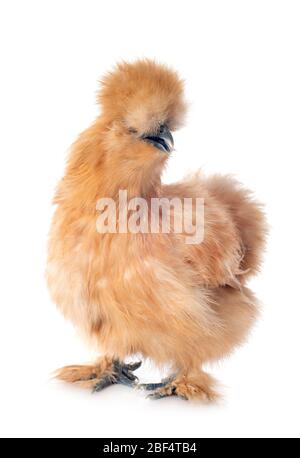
x=162 y=139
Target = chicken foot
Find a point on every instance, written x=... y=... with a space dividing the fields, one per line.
x=103 y=373
x=122 y=374
x=195 y=386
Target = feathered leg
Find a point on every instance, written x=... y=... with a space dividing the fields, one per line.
x=103 y=373
x=236 y=311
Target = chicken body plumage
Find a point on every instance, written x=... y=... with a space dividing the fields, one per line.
x=142 y=293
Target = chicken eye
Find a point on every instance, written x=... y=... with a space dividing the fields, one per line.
x=161 y=129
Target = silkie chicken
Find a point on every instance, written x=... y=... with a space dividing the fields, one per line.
x=150 y=294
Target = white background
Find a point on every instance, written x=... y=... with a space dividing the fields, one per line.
x=240 y=60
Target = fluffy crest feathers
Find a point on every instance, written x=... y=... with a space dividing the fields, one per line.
x=142 y=95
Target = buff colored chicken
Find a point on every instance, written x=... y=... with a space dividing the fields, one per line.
x=150 y=294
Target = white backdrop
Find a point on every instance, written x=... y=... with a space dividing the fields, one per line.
x=240 y=60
